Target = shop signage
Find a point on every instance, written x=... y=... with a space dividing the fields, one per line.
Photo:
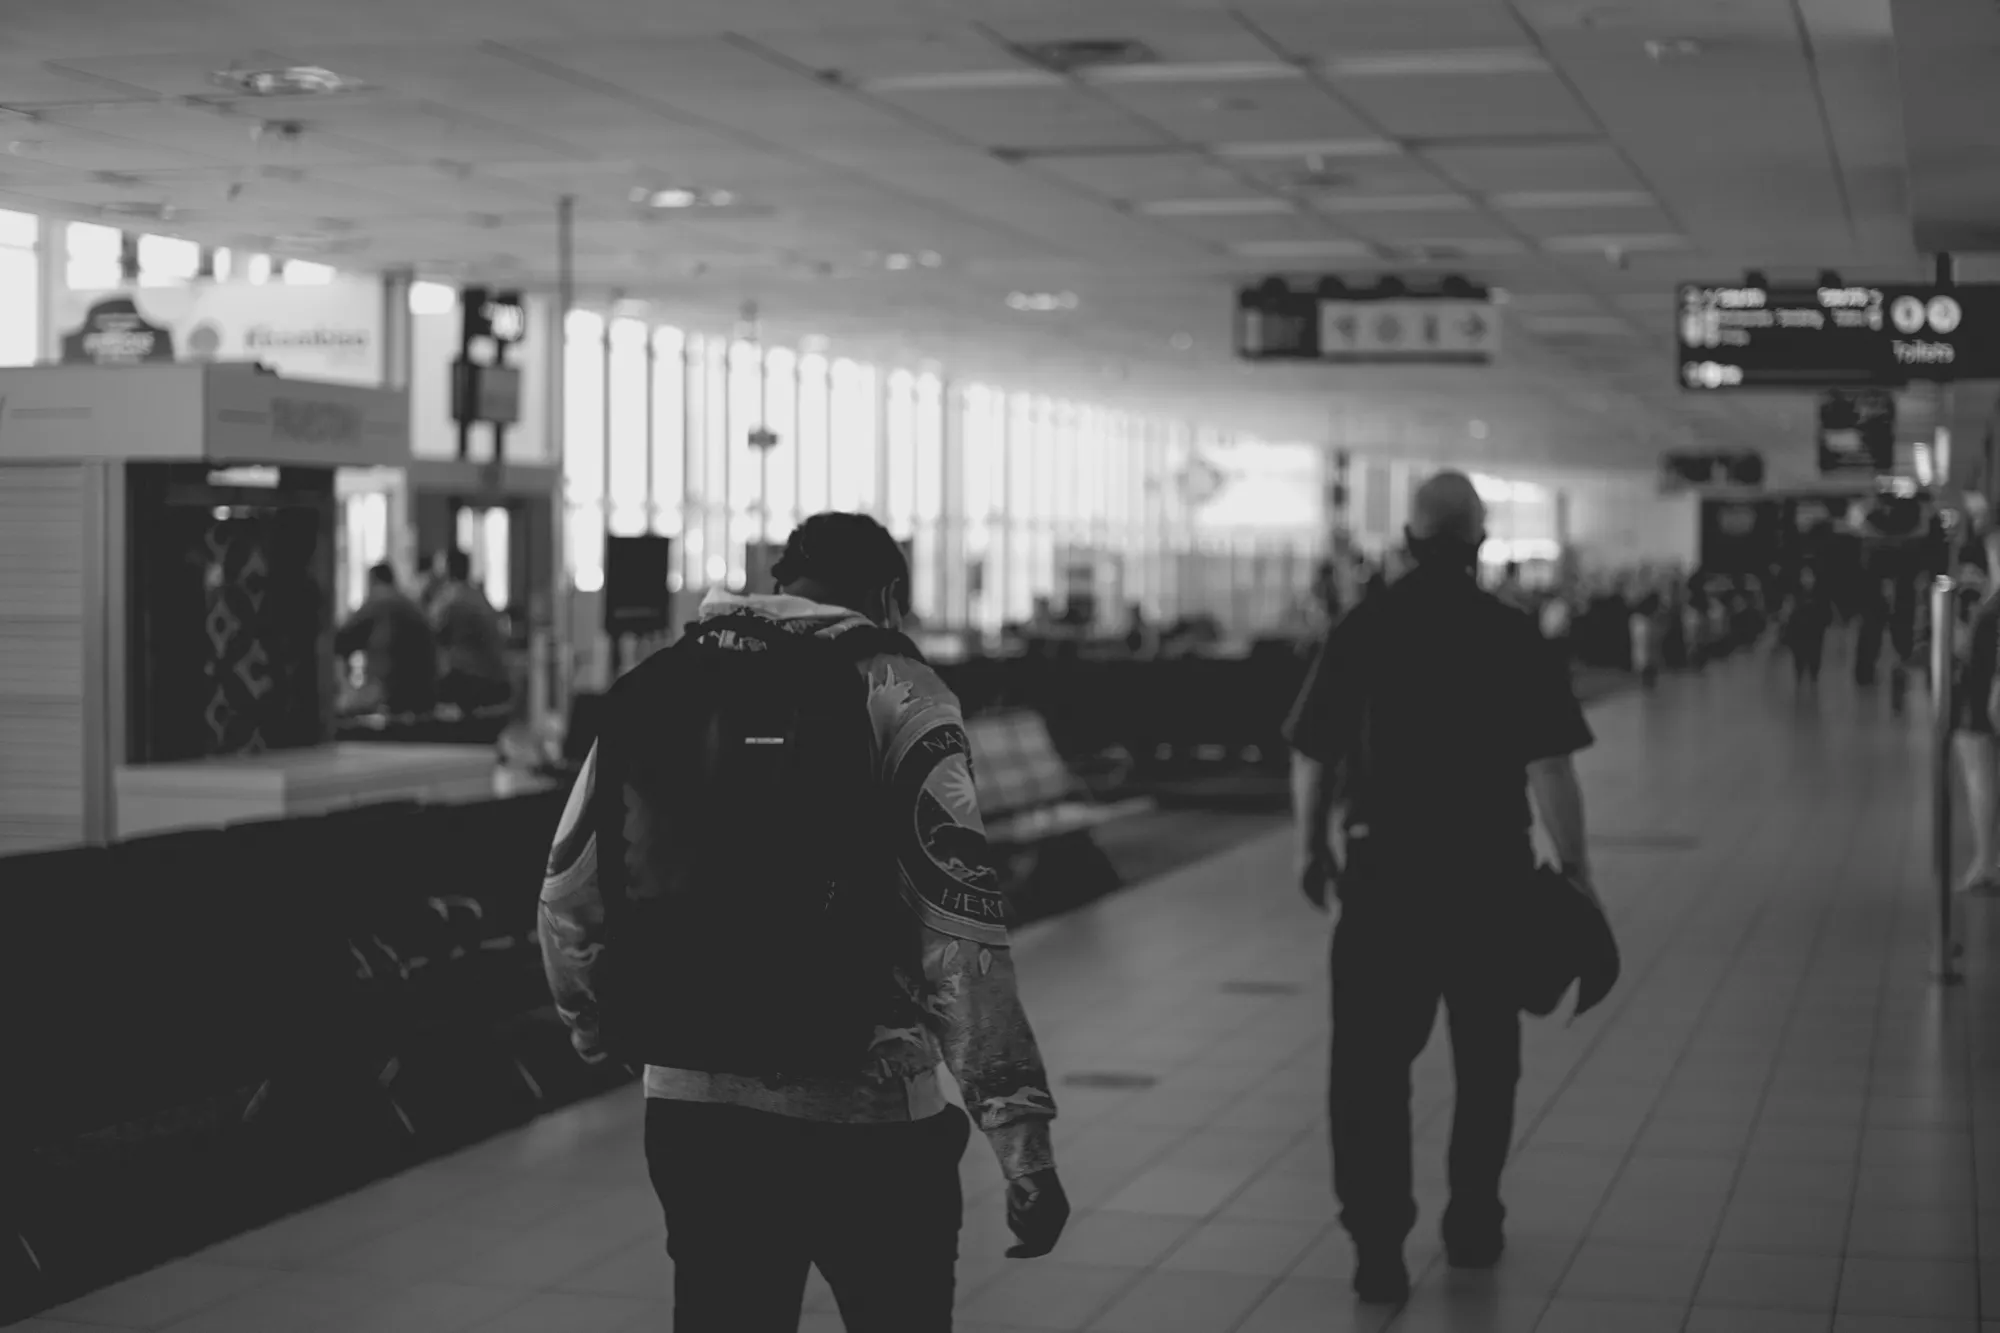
x=1678 y=471
x=1835 y=337
x=304 y=421
x=112 y=332
x=331 y=333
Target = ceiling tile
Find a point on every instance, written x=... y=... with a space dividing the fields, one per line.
x=1316 y=28
x=1239 y=112
x=1064 y=120
x=1504 y=167
x=1176 y=36
x=1146 y=175
x=1410 y=227
x=1471 y=107
x=1593 y=222
x=1232 y=229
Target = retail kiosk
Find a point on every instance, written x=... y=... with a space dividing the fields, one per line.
x=167 y=546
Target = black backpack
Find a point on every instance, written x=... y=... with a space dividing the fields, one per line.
x=753 y=922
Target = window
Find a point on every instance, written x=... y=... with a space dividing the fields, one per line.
x=629 y=491
x=20 y=298
x=930 y=449
x=301 y=273
x=426 y=298
x=902 y=451
x=94 y=257
x=669 y=431
x=781 y=414
x=854 y=436
x=165 y=261
x=583 y=445
x=746 y=413
x=815 y=417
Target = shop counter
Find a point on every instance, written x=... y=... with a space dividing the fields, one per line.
x=206 y=793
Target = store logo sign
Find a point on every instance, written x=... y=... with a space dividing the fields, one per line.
x=306 y=422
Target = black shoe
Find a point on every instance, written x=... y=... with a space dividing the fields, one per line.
x=1475 y=1251
x=1381 y=1279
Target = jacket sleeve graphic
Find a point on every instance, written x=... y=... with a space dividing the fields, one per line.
x=571 y=916
x=948 y=878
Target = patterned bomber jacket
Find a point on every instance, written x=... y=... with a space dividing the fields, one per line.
x=964 y=1011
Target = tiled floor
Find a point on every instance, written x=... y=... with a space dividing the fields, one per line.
x=1777 y=1123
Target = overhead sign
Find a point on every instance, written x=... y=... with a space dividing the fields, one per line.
x=331 y=333
x=1857 y=433
x=1276 y=323
x=1835 y=337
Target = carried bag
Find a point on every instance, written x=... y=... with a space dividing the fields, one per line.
x=752 y=922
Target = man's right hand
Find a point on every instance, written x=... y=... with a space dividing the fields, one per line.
x=1316 y=879
x=1037 y=1212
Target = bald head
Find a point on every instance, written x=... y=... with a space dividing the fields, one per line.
x=1447 y=510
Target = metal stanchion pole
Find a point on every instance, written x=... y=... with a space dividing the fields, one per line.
x=1944 y=626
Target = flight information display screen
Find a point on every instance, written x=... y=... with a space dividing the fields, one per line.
x=1835 y=337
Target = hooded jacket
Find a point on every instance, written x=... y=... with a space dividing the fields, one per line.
x=962 y=1012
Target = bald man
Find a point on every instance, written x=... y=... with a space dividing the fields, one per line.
x=1432 y=712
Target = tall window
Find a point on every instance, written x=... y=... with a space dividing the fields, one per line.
x=930 y=576
x=669 y=431
x=629 y=491
x=715 y=478
x=854 y=437
x=815 y=419
x=902 y=451
x=20 y=327
x=781 y=414
x=583 y=445
x=166 y=261
x=94 y=257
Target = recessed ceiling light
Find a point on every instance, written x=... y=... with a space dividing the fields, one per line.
x=1422 y=64
x=965 y=81
x=1252 y=206
x=1528 y=200
x=1310 y=248
x=1042 y=302
x=1278 y=150
x=897 y=263
x=676 y=198
x=292 y=81
x=930 y=259
x=1207 y=71
x=1664 y=49
x=1392 y=203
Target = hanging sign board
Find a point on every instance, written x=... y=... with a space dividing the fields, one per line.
x=1277 y=322
x=1835 y=337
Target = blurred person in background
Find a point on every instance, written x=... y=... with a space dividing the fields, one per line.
x=401 y=656
x=1803 y=626
x=470 y=639
x=1976 y=719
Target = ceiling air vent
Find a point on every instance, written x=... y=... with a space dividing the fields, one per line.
x=1073 y=57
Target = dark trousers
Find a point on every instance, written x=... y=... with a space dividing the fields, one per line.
x=1400 y=948
x=753 y=1200
x=1808 y=652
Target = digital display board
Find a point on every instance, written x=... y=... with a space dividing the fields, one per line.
x=1835 y=337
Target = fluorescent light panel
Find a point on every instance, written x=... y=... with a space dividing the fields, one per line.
x=1469 y=245
x=1528 y=200
x=1392 y=203
x=1206 y=71
x=1429 y=64
x=1256 y=206
x=1279 y=150
x=1303 y=249
x=965 y=81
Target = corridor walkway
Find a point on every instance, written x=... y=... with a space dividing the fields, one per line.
x=1777 y=1124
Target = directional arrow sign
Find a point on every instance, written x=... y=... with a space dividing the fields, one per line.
x=1413 y=330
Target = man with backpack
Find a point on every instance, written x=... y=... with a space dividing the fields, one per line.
x=1432 y=712
x=771 y=888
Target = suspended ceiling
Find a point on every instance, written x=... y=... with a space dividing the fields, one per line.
x=1539 y=146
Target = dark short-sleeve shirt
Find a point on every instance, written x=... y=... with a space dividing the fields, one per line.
x=1430 y=701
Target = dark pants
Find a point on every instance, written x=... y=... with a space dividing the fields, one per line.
x=752 y=1201
x=1405 y=942
x=1808 y=652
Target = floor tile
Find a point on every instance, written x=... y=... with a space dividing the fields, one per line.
x=1251 y=1248
x=164 y=1295
x=1913 y=1233
x=1305 y=1305
x=1736 y=1319
x=570 y=1313
x=1047 y=1295
x=1769 y=1281
x=1578 y=1316
x=1605 y=1270
x=1177 y=1191
x=1930 y=1288
x=1184 y=1303
x=1110 y=1239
